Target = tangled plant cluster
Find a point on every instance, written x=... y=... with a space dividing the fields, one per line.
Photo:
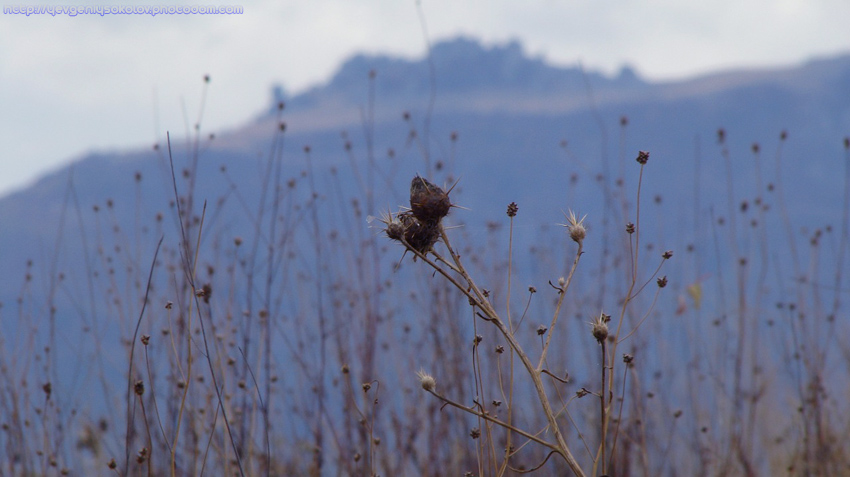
x=419 y=227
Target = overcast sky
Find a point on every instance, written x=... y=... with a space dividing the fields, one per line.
x=71 y=85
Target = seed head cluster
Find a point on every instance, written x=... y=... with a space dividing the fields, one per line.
x=419 y=227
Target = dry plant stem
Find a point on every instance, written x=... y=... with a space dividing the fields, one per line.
x=627 y=300
x=148 y=433
x=573 y=422
x=207 y=354
x=645 y=316
x=619 y=418
x=510 y=399
x=602 y=412
x=188 y=379
x=263 y=407
x=493 y=317
x=209 y=442
x=153 y=398
x=492 y=419
x=132 y=353
x=561 y=296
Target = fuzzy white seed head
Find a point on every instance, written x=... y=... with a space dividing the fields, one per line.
x=576 y=227
x=427 y=381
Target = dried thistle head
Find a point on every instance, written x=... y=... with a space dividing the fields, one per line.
x=576 y=227
x=393 y=226
x=599 y=327
x=420 y=235
x=427 y=381
x=428 y=202
x=406 y=228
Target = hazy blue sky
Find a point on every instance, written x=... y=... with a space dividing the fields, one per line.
x=69 y=85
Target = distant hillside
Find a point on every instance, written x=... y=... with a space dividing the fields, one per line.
x=512 y=114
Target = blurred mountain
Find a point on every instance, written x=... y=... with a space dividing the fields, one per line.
x=545 y=136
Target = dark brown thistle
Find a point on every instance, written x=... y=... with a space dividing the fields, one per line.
x=428 y=202
x=419 y=227
x=421 y=236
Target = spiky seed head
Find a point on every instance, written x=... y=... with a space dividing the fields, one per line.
x=599 y=327
x=427 y=381
x=576 y=227
x=419 y=234
x=428 y=202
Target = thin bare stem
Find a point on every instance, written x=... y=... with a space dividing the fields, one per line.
x=561 y=296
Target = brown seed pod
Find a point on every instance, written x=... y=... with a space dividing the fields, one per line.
x=428 y=202
x=420 y=235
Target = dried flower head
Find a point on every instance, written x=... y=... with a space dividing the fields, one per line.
x=599 y=327
x=421 y=236
x=427 y=381
x=428 y=202
x=393 y=227
x=643 y=157
x=512 y=209
x=576 y=227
